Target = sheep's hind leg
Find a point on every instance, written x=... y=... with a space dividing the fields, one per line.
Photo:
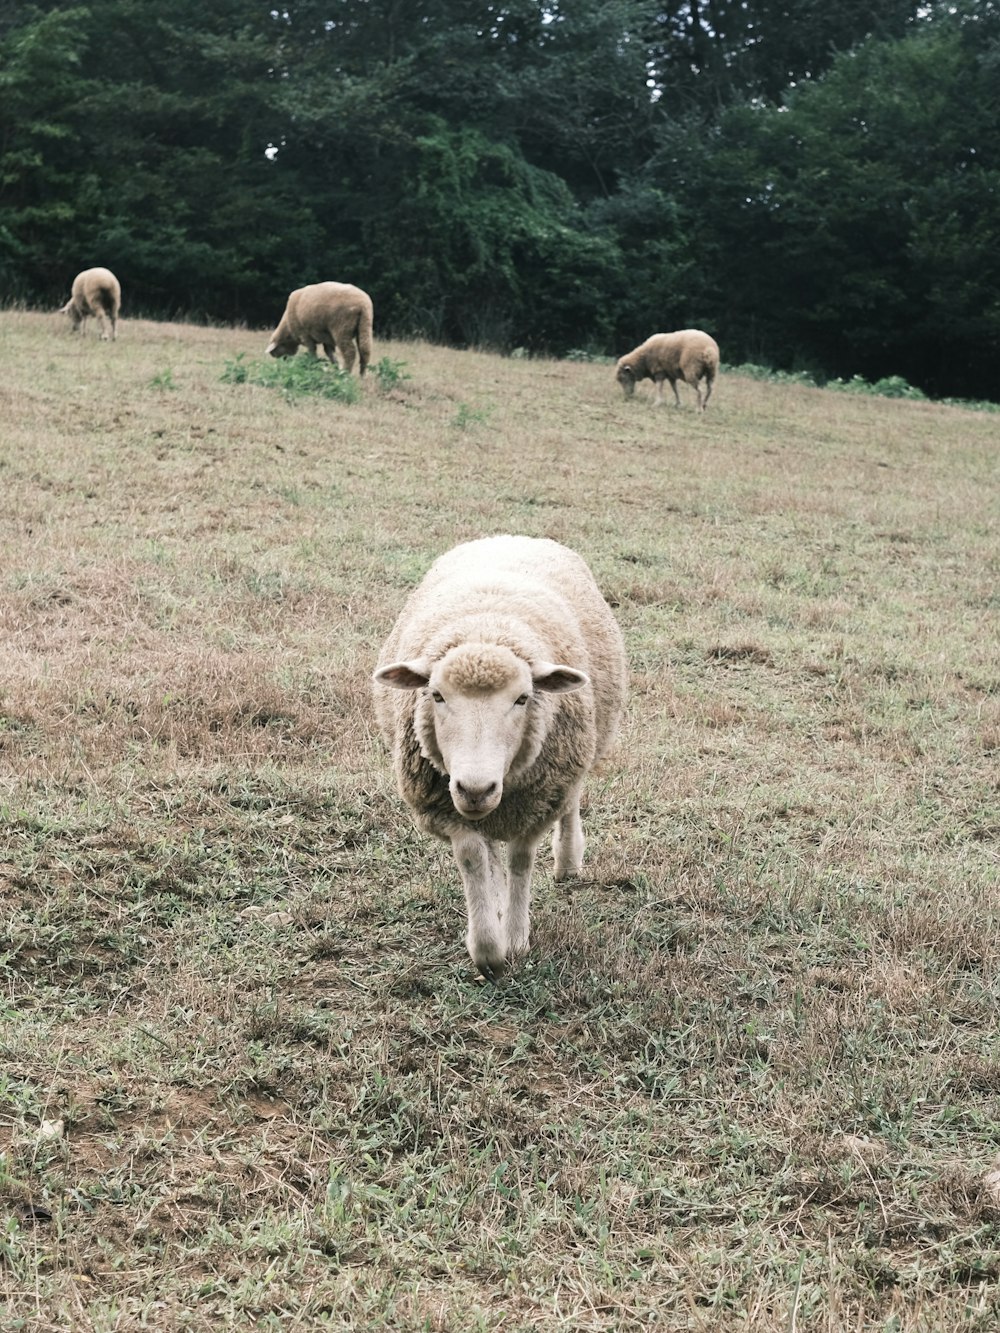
x=347 y=354
x=568 y=842
x=484 y=882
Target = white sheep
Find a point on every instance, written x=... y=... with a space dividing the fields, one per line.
x=96 y=291
x=507 y=675
x=687 y=355
x=334 y=314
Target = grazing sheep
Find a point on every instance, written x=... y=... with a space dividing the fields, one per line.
x=687 y=355
x=96 y=291
x=507 y=671
x=332 y=313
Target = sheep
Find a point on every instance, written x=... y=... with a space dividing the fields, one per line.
x=335 y=314
x=687 y=355
x=96 y=291
x=499 y=688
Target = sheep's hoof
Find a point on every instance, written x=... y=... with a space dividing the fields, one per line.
x=518 y=949
x=489 y=959
x=567 y=872
x=492 y=971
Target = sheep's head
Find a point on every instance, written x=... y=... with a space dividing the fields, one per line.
x=284 y=345
x=625 y=376
x=70 y=309
x=480 y=715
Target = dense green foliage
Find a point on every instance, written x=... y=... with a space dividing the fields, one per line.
x=820 y=194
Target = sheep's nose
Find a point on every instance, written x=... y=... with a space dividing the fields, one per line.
x=474 y=796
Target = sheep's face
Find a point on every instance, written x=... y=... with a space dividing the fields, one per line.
x=282 y=347
x=626 y=378
x=480 y=714
x=75 y=318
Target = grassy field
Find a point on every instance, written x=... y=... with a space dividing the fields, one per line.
x=749 y=1075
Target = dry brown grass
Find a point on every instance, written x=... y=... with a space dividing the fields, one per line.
x=747 y=1078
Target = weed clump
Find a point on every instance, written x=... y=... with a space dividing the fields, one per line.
x=467 y=416
x=389 y=374
x=294 y=377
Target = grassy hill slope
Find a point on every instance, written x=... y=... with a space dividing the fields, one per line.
x=747 y=1077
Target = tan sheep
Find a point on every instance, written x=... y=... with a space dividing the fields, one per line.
x=687 y=355
x=334 y=314
x=507 y=674
x=96 y=291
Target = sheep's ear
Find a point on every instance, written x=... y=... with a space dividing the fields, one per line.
x=625 y=370
x=403 y=675
x=551 y=678
x=272 y=349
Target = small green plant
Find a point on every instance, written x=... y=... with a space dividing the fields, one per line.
x=467 y=416
x=294 y=377
x=164 y=379
x=389 y=373
x=236 y=371
x=11 y=1250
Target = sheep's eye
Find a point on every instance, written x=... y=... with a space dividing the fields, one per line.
x=437 y=696
x=520 y=702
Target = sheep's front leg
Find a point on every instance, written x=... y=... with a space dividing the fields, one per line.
x=484 y=882
x=568 y=842
x=520 y=865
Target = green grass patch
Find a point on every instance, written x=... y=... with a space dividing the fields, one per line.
x=294 y=377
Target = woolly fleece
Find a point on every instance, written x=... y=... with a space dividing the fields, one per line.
x=538 y=600
x=335 y=315
x=688 y=355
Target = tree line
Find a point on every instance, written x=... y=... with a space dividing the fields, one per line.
x=815 y=183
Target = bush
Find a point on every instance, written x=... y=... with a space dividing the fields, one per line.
x=893 y=386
